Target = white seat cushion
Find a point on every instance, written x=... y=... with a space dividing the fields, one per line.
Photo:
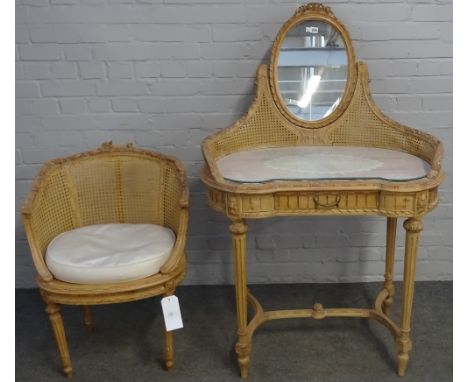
x=108 y=253
x=321 y=162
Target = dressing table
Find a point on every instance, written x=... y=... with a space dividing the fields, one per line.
x=314 y=143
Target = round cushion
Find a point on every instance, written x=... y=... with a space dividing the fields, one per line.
x=108 y=253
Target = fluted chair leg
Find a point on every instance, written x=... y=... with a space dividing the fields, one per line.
x=87 y=318
x=168 y=350
x=59 y=332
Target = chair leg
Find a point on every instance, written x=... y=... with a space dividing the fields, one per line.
x=87 y=318
x=57 y=326
x=389 y=262
x=413 y=227
x=168 y=350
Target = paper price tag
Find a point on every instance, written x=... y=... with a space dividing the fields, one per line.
x=171 y=312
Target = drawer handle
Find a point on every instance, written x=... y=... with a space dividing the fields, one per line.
x=324 y=205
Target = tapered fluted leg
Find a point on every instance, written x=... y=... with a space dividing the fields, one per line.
x=57 y=326
x=168 y=350
x=87 y=318
x=389 y=261
x=413 y=227
x=238 y=230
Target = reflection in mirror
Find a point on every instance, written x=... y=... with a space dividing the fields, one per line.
x=312 y=70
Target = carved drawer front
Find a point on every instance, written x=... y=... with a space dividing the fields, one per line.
x=324 y=200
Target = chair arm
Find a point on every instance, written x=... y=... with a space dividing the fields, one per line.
x=436 y=166
x=178 y=252
x=184 y=198
x=37 y=255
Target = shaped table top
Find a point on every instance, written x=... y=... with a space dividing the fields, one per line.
x=321 y=163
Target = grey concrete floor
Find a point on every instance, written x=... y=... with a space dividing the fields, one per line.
x=126 y=344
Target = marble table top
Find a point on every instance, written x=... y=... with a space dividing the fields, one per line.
x=321 y=163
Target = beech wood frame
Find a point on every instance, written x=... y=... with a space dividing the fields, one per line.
x=356 y=122
x=56 y=292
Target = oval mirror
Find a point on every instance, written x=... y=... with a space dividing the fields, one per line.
x=312 y=63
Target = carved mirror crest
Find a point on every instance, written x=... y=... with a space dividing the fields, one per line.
x=312 y=67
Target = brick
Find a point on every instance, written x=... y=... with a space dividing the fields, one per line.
x=63 y=2
x=405 y=102
x=222 y=86
x=56 y=34
x=18 y=159
x=63 y=70
x=440 y=253
x=26 y=172
x=437 y=102
x=436 y=67
x=404 y=49
x=374 y=12
x=124 y=105
x=26 y=89
x=120 y=70
x=21 y=15
x=121 y=87
x=390 y=86
x=23 y=106
x=21 y=35
x=371 y=254
x=432 y=13
x=180 y=87
x=174 y=69
x=120 y=52
x=96 y=138
x=98 y=105
x=346 y=255
x=118 y=33
x=158 y=33
x=78 y=53
x=123 y=137
x=224 y=51
x=327 y=241
x=73 y=106
x=368 y=239
x=91 y=70
x=208 y=13
x=44 y=107
x=19 y=71
x=247 y=69
x=44 y=155
x=198 y=69
x=180 y=105
x=46 y=139
x=202 y=104
x=33 y=3
x=39 y=52
x=237 y=33
x=36 y=71
x=119 y=122
x=68 y=123
x=432 y=85
x=67 y=88
x=164 y=137
x=370 y=31
x=147 y=69
x=26 y=124
x=197 y=33
x=224 y=69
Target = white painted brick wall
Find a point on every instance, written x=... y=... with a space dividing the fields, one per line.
x=166 y=73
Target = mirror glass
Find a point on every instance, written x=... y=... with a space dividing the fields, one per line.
x=312 y=69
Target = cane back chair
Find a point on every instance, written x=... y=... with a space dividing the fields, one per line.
x=111 y=185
